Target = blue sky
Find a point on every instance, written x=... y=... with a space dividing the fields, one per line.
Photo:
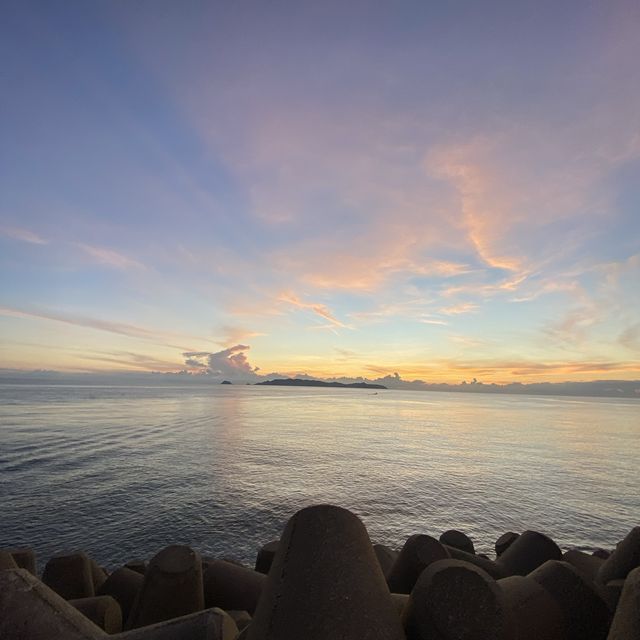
x=445 y=190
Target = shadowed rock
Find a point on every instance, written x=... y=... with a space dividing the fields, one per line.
x=482 y=562
x=457 y=540
x=230 y=586
x=266 y=555
x=530 y=550
x=588 y=565
x=418 y=552
x=626 y=622
x=70 y=575
x=172 y=587
x=454 y=600
x=325 y=583
x=585 y=612
x=386 y=557
x=536 y=615
x=123 y=585
x=103 y=611
x=29 y=610
x=25 y=558
x=625 y=558
x=212 y=624
x=601 y=553
x=504 y=542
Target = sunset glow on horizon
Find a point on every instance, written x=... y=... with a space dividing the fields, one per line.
x=446 y=191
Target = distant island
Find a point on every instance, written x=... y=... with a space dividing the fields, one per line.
x=297 y=382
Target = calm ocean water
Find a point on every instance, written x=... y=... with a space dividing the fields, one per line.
x=123 y=471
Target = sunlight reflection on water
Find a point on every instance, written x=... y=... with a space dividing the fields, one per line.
x=120 y=472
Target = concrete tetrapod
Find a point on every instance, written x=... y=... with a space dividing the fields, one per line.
x=325 y=583
x=32 y=611
x=25 y=558
x=626 y=622
x=386 y=557
x=70 y=575
x=123 y=585
x=585 y=612
x=455 y=600
x=418 y=552
x=504 y=542
x=265 y=556
x=172 y=587
x=103 y=611
x=230 y=586
x=625 y=558
x=527 y=552
x=495 y=570
x=7 y=561
x=211 y=624
x=457 y=540
x=586 y=564
x=535 y=613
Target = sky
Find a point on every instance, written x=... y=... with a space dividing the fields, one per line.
x=443 y=190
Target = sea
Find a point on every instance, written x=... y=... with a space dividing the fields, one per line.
x=121 y=472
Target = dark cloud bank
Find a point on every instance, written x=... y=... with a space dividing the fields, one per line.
x=232 y=364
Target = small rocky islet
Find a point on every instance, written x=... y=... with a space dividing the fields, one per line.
x=325 y=580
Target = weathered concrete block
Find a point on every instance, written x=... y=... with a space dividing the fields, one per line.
x=530 y=550
x=454 y=600
x=172 y=587
x=25 y=558
x=103 y=611
x=7 y=561
x=265 y=556
x=611 y=592
x=241 y=618
x=457 y=540
x=123 y=585
x=211 y=624
x=140 y=566
x=70 y=575
x=625 y=558
x=587 y=564
x=325 y=582
x=386 y=557
x=400 y=601
x=482 y=562
x=418 y=552
x=32 y=611
x=98 y=575
x=230 y=586
x=626 y=622
x=504 y=542
x=585 y=612
x=535 y=613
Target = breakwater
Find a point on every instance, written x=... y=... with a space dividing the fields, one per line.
x=325 y=580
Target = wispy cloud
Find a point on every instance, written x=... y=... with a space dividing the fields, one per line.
x=457 y=309
x=110 y=257
x=319 y=309
x=119 y=328
x=24 y=235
